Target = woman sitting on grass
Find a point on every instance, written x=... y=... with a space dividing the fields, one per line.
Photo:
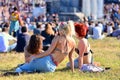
x=34 y=47
x=83 y=50
x=61 y=46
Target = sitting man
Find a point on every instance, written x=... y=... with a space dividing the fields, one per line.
x=115 y=33
x=97 y=32
x=4 y=40
x=22 y=39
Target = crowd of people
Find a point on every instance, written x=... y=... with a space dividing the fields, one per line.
x=46 y=44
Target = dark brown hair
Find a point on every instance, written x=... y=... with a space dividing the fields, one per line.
x=35 y=44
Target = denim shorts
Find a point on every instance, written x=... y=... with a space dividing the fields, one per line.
x=76 y=63
x=44 y=64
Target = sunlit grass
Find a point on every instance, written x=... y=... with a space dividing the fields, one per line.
x=106 y=51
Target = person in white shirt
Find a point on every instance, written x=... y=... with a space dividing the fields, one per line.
x=4 y=41
x=109 y=29
x=0 y=29
x=97 y=32
x=100 y=24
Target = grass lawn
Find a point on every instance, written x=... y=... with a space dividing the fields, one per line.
x=106 y=51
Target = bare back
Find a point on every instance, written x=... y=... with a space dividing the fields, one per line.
x=63 y=48
x=84 y=47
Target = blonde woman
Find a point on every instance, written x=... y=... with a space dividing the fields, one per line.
x=61 y=46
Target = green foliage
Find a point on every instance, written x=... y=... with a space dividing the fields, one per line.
x=106 y=51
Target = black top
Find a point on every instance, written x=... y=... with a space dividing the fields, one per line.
x=22 y=40
x=48 y=38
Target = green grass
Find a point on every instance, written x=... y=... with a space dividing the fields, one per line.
x=106 y=51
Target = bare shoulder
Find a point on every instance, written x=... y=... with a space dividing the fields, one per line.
x=83 y=42
x=59 y=38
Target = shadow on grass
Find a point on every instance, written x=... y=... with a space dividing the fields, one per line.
x=12 y=69
x=12 y=73
x=63 y=69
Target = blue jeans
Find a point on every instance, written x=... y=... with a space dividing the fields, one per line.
x=76 y=63
x=44 y=64
x=14 y=26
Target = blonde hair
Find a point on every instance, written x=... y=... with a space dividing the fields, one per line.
x=48 y=29
x=65 y=28
x=72 y=27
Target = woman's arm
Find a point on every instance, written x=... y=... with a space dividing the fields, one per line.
x=20 y=20
x=26 y=54
x=71 y=59
x=81 y=47
x=50 y=49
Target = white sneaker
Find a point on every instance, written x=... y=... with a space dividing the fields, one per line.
x=18 y=70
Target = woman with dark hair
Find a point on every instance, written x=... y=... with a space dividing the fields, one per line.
x=34 y=47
